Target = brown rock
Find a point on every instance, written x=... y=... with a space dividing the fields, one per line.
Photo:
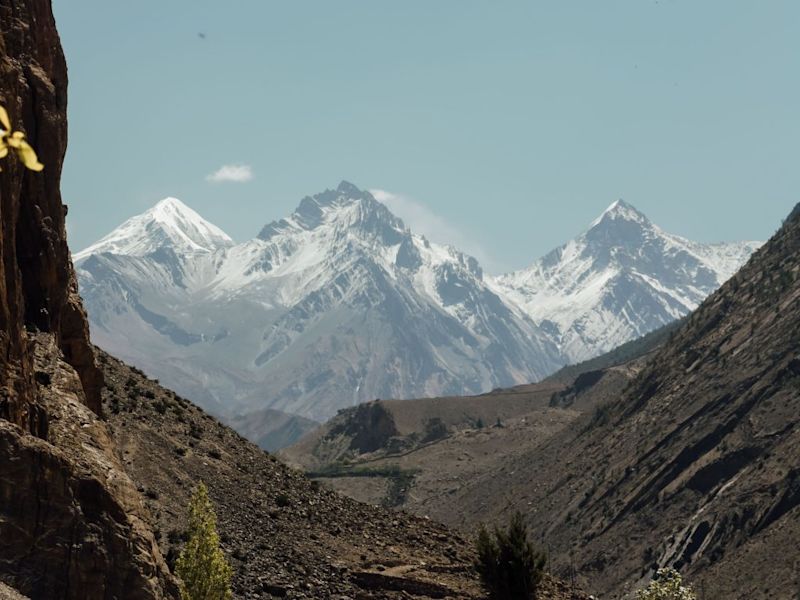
x=38 y=289
x=72 y=523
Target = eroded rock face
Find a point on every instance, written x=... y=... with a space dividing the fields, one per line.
x=37 y=289
x=72 y=523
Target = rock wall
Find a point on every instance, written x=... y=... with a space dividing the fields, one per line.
x=72 y=523
x=38 y=290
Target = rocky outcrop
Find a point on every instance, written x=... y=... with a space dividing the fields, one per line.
x=72 y=523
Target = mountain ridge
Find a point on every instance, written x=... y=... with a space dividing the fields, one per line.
x=693 y=465
x=336 y=304
x=679 y=450
x=578 y=287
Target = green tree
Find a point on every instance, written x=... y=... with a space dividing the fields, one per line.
x=201 y=566
x=508 y=565
x=667 y=585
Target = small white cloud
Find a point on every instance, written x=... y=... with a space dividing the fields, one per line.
x=423 y=220
x=231 y=173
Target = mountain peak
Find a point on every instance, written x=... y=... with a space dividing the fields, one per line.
x=169 y=223
x=345 y=187
x=170 y=203
x=621 y=210
x=347 y=205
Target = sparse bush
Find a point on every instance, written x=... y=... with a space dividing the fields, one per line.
x=204 y=572
x=508 y=565
x=667 y=585
x=435 y=429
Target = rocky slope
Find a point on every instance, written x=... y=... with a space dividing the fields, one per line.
x=285 y=535
x=71 y=522
x=695 y=466
x=340 y=303
x=684 y=456
x=434 y=447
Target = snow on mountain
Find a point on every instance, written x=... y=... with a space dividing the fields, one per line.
x=340 y=303
x=618 y=280
x=170 y=223
x=336 y=304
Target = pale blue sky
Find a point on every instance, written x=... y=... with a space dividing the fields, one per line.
x=508 y=125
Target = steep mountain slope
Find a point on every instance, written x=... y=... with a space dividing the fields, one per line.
x=335 y=305
x=72 y=525
x=284 y=535
x=695 y=466
x=618 y=280
x=339 y=304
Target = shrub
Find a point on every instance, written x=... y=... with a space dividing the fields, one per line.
x=508 y=565
x=667 y=585
x=204 y=572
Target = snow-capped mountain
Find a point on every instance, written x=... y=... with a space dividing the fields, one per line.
x=618 y=280
x=340 y=303
x=336 y=304
x=170 y=224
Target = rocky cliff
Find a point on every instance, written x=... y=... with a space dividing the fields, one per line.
x=72 y=522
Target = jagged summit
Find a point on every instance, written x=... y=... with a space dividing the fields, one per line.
x=619 y=279
x=168 y=224
x=621 y=224
x=347 y=207
x=619 y=209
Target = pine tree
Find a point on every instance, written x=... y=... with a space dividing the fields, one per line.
x=201 y=566
x=508 y=565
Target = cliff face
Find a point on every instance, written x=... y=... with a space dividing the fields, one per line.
x=37 y=284
x=72 y=523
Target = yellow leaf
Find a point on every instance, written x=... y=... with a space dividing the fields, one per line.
x=28 y=156
x=3 y=149
x=4 y=121
x=16 y=139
